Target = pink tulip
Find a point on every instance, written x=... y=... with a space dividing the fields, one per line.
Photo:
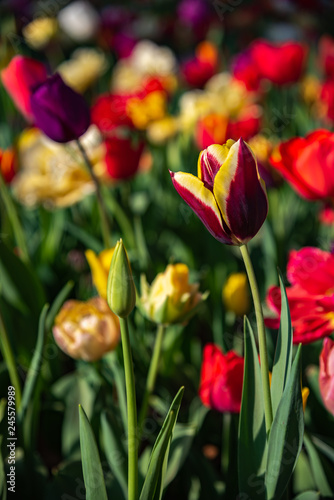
x=326 y=375
x=19 y=78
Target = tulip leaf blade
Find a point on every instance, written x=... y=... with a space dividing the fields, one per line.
x=252 y=431
x=308 y=495
x=286 y=434
x=91 y=465
x=114 y=450
x=283 y=352
x=35 y=366
x=155 y=477
x=318 y=470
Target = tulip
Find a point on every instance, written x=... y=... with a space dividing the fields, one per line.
x=280 y=64
x=307 y=164
x=60 y=112
x=121 y=292
x=236 y=294
x=122 y=157
x=326 y=55
x=311 y=299
x=100 y=265
x=86 y=330
x=19 y=78
x=221 y=379
x=228 y=195
x=326 y=374
x=8 y=165
x=170 y=298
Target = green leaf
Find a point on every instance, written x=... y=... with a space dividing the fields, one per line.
x=283 y=352
x=308 y=495
x=317 y=468
x=114 y=450
x=91 y=465
x=154 y=480
x=35 y=366
x=252 y=431
x=286 y=434
x=111 y=363
x=180 y=446
x=19 y=284
x=324 y=447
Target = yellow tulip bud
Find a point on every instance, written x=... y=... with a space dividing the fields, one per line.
x=305 y=395
x=121 y=292
x=86 y=330
x=236 y=294
x=170 y=298
x=99 y=266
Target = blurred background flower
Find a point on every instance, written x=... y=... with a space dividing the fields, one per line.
x=86 y=330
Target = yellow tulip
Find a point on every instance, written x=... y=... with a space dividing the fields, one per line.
x=170 y=298
x=99 y=266
x=236 y=294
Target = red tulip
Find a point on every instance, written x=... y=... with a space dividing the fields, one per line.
x=308 y=164
x=122 y=157
x=221 y=379
x=109 y=112
x=280 y=64
x=326 y=55
x=311 y=298
x=198 y=70
x=8 y=164
x=244 y=70
x=327 y=99
x=19 y=78
x=326 y=374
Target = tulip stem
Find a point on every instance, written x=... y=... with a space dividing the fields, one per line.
x=9 y=358
x=268 y=412
x=151 y=377
x=14 y=220
x=100 y=201
x=131 y=412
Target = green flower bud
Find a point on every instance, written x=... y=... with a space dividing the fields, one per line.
x=121 y=292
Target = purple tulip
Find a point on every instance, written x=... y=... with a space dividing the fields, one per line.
x=60 y=112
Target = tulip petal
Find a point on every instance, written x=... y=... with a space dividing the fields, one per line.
x=209 y=162
x=202 y=202
x=240 y=193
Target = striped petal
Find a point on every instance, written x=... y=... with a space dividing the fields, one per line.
x=240 y=193
x=202 y=202
x=210 y=160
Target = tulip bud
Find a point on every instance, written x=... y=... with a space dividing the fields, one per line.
x=121 y=292
x=60 y=112
x=236 y=294
x=326 y=374
x=86 y=330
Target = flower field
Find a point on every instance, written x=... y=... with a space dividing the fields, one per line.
x=166 y=250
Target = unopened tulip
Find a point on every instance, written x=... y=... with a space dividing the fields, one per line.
x=236 y=294
x=60 y=112
x=121 y=291
x=228 y=195
x=100 y=265
x=86 y=330
x=19 y=78
x=170 y=298
x=326 y=375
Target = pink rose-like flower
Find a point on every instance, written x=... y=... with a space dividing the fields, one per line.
x=326 y=375
x=221 y=379
x=19 y=78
